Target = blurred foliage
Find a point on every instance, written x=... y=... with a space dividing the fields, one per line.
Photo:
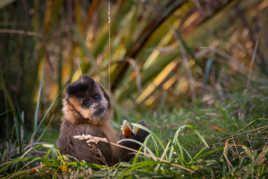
x=147 y=53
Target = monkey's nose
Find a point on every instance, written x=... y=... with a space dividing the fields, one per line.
x=99 y=111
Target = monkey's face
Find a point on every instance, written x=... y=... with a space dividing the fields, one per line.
x=86 y=102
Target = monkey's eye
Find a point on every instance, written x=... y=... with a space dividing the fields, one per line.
x=86 y=103
x=96 y=97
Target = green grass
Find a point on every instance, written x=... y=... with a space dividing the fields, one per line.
x=226 y=139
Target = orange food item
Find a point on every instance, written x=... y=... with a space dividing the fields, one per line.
x=126 y=129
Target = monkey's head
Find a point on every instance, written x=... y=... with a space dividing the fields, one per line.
x=86 y=102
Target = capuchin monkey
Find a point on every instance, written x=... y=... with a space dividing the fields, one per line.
x=87 y=110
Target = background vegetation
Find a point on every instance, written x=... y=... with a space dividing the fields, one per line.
x=194 y=70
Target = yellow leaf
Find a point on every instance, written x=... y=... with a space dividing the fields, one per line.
x=220 y=129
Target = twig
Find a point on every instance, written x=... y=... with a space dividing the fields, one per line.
x=19 y=32
x=252 y=61
x=225 y=151
x=132 y=63
x=186 y=64
x=96 y=140
x=137 y=71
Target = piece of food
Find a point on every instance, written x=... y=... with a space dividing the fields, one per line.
x=135 y=130
x=126 y=129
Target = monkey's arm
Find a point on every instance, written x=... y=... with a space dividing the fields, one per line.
x=93 y=153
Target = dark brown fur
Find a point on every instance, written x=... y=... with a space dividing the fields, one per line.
x=87 y=110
